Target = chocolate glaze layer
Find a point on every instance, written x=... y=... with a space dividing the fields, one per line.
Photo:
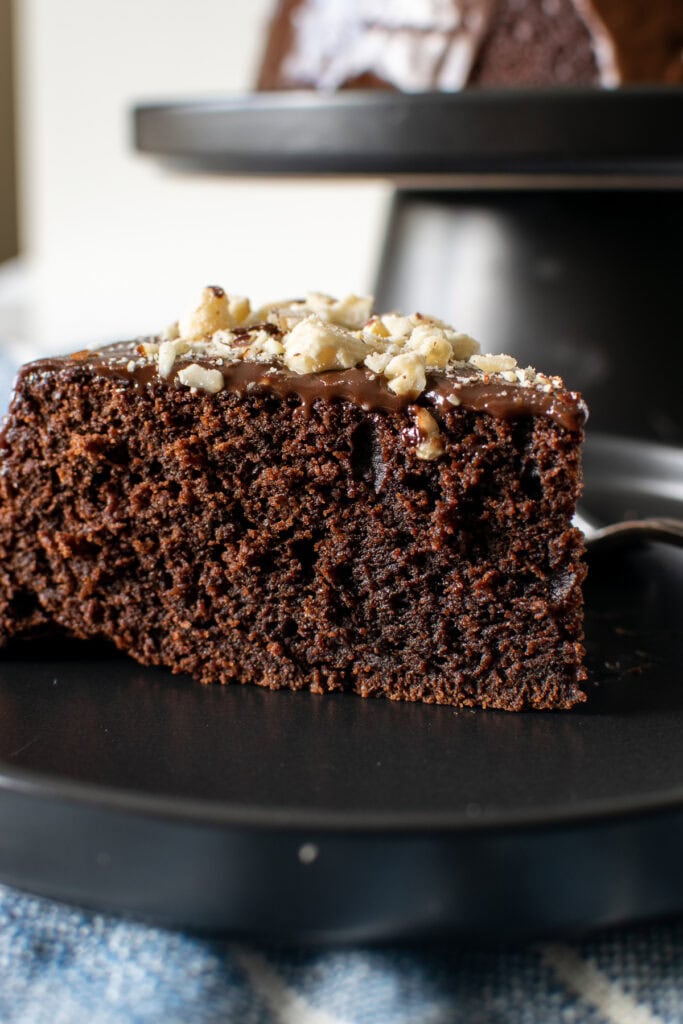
x=358 y=385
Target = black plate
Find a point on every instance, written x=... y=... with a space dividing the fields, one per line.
x=565 y=131
x=299 y=816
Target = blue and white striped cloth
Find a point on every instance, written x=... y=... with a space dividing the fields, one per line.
x=62 y=966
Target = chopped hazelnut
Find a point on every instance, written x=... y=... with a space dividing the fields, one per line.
x=493 y=363
x=263 y=347
x=351 y=312
x=406 y=374
x=431 y=343
x=196 y=376
x=462 y=345
x=430 y=445
x=239 y=309
x=377 y=361
x=376 y=328
x=314 y=346
x=215 y=312
x=168 y=350
x=398 y=326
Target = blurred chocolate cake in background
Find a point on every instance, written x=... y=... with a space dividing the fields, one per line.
x=445 y=45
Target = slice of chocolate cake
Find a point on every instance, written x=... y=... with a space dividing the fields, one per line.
x=446 y=45
x=306 y=496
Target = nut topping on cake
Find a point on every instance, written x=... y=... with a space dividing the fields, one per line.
x=430 y=445
x=216 y=312
x=406 y=374
x=195 y=376
x=319 y=334
x=313 y=346
x=493 y=364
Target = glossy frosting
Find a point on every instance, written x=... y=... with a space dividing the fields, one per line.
x=359 y=385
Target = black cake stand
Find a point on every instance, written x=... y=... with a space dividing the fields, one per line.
x=550 y=225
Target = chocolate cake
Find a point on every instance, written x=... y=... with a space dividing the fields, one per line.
x=444 y=45
x=305 y=496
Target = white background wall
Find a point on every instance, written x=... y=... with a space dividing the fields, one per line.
x=116 y=243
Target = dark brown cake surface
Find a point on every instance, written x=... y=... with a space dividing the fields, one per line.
x=324 y=530
x=448 y=44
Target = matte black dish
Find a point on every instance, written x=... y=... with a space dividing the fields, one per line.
x=301 y=817
x=529 y=131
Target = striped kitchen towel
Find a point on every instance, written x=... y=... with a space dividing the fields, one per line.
x=63 y=966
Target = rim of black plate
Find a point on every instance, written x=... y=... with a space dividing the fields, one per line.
x=193 y=811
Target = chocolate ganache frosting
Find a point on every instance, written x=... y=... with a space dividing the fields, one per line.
x=359 y=385
x=323 y=349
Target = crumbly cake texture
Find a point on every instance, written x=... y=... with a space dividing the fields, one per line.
x=303 y=496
